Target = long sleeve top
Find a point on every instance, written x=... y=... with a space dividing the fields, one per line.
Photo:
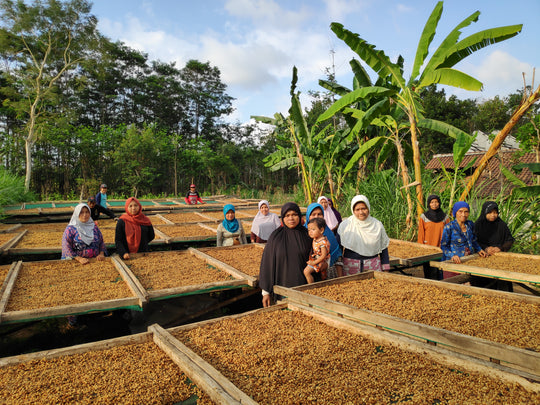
x=120 y=240
x=94 y=212
x=429 y=232
x=72 y=244
x=226 y=238
x=455 y=242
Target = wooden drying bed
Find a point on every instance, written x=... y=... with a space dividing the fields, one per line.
x=185 y=232
x=515 y=267
x=38 y=290
x=431 y=310
x=243 y=259
x=411 y=253
x=296 y=356
x=169 y=274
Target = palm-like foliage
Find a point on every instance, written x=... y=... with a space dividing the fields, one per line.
x=438 y=70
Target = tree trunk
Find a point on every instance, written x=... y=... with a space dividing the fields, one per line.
x=417 y=168
x=406 y=180
x=499 y=139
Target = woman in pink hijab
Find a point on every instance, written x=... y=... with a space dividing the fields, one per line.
x=329 y=215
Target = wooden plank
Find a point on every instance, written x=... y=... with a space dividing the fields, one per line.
x=207 y=227
x=164 y=219
x=252 y=281
x=82 y=348
x=413 y=261
x=513 y=357
x=7 y=286
x=166 y=238
x=218 y=285
x=11 y=229
x=13 y=242
x=133 y=282
x=207 y=216
x=438 y=353
x=95 y=306
x=486 y=272
x=206 y=377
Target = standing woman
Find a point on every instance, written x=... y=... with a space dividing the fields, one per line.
x=134 y=230
x=230 y=231
x=458 y=238
x=432 y=222
x=329 y=215
x=364 y=240
x=82 y=238
x=285 y=255
x=264 y=223
x=316 y=210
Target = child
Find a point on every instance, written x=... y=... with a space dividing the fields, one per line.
x=193 y=197
x=101 y=197
x=96 y=209
x=318 y=262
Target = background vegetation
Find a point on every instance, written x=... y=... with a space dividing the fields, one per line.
x=78 y=109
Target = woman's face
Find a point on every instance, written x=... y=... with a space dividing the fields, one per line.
x=316 y=213
x=324 y=203
x=361 y=211
x=84 y=215
x=462 y=215
x=434 y=204
x=264 y=209
x=229 y=216
x=492 y=215
x=291 y=219
x=133 y=208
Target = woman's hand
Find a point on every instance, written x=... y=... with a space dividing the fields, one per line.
x=456 y=259
x=482 y=254
x=491 y=250
x=100 y=257
x=266 y=301
x=82 y=260
x=126 y=256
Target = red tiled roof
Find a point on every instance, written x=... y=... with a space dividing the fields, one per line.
x=491 y=181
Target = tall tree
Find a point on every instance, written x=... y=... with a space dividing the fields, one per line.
x=43 y=41
x=438 y=70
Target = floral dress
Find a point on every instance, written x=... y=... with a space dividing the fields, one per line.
x=72 y=244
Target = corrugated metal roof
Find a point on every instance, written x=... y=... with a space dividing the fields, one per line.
x=492 y=181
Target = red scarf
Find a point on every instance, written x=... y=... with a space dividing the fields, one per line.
x=133 y=225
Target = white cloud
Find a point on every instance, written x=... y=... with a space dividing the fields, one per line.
x=267 y=13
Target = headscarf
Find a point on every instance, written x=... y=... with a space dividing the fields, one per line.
x=335 y=251
x=336 y=212
x=491 y=233
x=457 y=206
x=367 y=237
x=264 y=225
x=329 y=215
x=285 y=255
x=230 y=226
x=133 y=225
x=85 y=229
x=437 y=215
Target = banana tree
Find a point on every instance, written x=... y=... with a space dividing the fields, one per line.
x=438 y=70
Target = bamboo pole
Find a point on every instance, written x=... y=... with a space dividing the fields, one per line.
x=499 y=139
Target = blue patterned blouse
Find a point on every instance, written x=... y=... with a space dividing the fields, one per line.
x=72 y=245
x=454 y=242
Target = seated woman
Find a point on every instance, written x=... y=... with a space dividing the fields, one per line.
x=264 y=223
x=230 y=231
x=458 y=238
x=493 y=236
x=329 y=215
x=364 y=240
x=285 y=254
x=82 y=238
x=134 y=230
x=315 y=210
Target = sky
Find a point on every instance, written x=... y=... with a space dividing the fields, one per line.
x=256 y=43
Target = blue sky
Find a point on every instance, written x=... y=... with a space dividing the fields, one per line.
x=256 y=43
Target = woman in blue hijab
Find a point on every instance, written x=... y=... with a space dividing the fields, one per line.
x=230 y=231
x=316 y=210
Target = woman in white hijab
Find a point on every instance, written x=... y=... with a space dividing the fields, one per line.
x=82 y=238
x=329 y=215
x=364 y=240
x=264 y=223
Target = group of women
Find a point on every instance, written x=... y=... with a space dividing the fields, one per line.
x=357 y=244
x=82 y=239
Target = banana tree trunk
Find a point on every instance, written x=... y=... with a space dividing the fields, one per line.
x=499 y=139
x=416 y=160
x=406 y=180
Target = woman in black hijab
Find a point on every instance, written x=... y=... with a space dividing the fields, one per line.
x=285 y=254
x=493 y=235
x=491 y=231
